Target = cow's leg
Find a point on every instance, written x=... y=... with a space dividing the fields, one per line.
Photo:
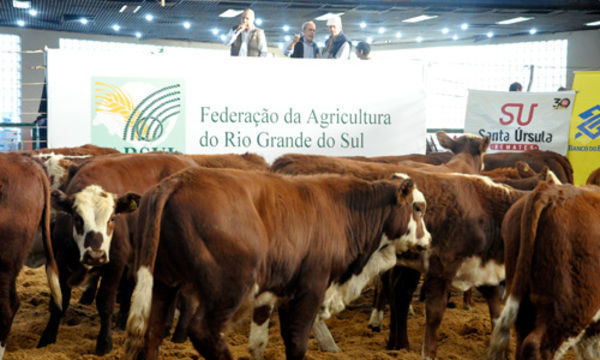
x=187 y=308
x=89 y=294
x=259 y=331
x=403 y=283
x=525 y=322
x=105 y=303
x=436 y=297
x=468 y=303
x=492 y=296
x=380 y=298
x=296 y=320
x=9 y=303
x=126 y=287
x=324 y=338
x=162 y=297
x=530 y=349
x=51 y=330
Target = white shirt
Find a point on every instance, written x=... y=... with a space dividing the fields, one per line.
x=233 y=34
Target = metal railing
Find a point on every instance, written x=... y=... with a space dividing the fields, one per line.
x=14 y=136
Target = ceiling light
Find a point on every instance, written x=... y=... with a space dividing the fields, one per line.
x=223 y=37
x=455 y=37
x=445 y=30
x=321 y=44
x=419 y=39
x=137 y=8
x=464 y=26
x=328 y=15
x=287 y=38
x=532 y=31
x=33 y=12
x=420 y=18
x=122 y=8
x=21 y=4
x=138 y=34
x=187 y=24
x=84 y=21
x=149 y=17
x=280 y=45
x=258 y=21
x=215 y=31
x=398 y=35
x=285 y=28
x=21 y=23
x=594 y=23
x=369 y=40
x=513 y=20
x=490 y=34
x=381 y=30
x=230 y=13
x=354 y=43
x=116 y=27
x=363 y=25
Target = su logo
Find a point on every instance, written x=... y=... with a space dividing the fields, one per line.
x=509 y=110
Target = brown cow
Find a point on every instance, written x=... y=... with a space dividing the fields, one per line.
x=24 y=206
x=246 y=161
x=552 y=272
x=310 y=243
x=594 y=178
x=536 y=159
x=464 y=217
x=84 y=150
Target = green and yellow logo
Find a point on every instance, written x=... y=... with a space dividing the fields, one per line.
x=138 y=115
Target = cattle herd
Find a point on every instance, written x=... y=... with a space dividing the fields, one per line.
x=219 y=238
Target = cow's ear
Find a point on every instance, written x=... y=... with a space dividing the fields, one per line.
x=404 y=190
x=524 y=169
x=485 y=143
x=446 y=141
x=61 y=201
x=127 y=203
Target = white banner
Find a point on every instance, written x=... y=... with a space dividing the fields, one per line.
x=518 y=121
x=270 y=106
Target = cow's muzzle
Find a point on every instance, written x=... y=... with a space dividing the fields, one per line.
x=94 y=257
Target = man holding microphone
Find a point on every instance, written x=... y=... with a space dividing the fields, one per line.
x=303 y=46
x=246 y=39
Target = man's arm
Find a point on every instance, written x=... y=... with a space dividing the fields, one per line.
x=290 y=49
x=263 y=43
x=233 y=34
x=343 y=52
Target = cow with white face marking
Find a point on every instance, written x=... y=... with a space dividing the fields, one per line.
x=307 y=244
x=464 y=217
x=552 y=240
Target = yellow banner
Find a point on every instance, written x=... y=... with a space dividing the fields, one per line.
x=584 y=136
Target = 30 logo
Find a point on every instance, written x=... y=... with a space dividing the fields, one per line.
x=591 y=124
x=561 y=103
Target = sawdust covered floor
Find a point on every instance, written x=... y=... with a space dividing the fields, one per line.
x=462 y=336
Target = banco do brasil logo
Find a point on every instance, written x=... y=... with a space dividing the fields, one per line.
x=138 y=112
x=591 y=124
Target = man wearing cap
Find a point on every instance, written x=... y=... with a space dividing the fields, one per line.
x=303 y=46
x=246 y=39
x=338 y=45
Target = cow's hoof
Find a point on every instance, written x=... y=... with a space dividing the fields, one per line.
x=179 y=338
x=46 y=340
x=103 y=347
x=375 y=328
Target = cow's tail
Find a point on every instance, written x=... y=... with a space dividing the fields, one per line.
x=146 y=241
x=537 y=201
x=51 y=266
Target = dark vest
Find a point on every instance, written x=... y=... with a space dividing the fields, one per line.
x=299 y=49
x=337 y=44
x=253 y=43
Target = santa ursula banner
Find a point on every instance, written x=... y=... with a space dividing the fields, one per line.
x=519 y=121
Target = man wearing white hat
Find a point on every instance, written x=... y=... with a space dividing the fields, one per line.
x=338 y=45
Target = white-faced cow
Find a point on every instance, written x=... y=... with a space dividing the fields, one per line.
x=293 y=242
x=24 y=207
x=464 y=217
x=552 y=240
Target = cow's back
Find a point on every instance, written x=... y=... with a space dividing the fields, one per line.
x=536 y=159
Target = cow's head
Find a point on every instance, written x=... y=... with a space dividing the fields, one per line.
x=93 y=211
x=470 y=144
x=406 y=226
